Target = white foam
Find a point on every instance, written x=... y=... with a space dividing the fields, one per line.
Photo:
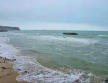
x=6 y=50
x=34 y=72
x=37 y=73
x=103 y=35
x=85 y=41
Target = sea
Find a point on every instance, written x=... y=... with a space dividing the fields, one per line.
x=49 y=56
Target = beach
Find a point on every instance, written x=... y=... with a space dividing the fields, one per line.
x=7 y=74
x=51 y=57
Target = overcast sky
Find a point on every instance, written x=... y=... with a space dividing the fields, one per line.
x=55 y=14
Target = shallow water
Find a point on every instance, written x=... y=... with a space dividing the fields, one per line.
x=88 y=51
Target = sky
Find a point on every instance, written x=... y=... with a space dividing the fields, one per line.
x=55 y=14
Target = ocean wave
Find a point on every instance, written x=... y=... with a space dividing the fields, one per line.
x=50 y=38
x=6 y=50
x=86 y=41
x=103 y=35
x=31 y=71
x=36 y=73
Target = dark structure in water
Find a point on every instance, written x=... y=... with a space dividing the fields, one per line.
x=68 y=33
x=7 y=28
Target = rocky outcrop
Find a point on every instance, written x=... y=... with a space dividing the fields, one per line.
x=73 y=33
x=8 y=28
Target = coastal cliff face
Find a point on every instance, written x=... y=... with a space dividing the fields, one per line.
x=7 y=28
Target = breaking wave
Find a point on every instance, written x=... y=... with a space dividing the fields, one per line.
x=32 y=71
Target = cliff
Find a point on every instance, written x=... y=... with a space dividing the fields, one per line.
x=8 y=28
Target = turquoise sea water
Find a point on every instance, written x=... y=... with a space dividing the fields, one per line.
x=87 y=51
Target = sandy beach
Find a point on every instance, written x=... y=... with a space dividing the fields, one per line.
x=7 y=74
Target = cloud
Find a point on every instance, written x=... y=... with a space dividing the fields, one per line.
x=92 y=12
x=16 y=5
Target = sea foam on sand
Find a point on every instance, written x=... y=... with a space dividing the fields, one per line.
x=36 y=73
x=6 y=50
x=32 y=71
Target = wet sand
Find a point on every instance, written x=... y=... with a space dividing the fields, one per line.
x=7 y=74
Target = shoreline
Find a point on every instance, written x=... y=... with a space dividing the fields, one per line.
x=31 y=70
x=7 y=54
x=7 y=74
